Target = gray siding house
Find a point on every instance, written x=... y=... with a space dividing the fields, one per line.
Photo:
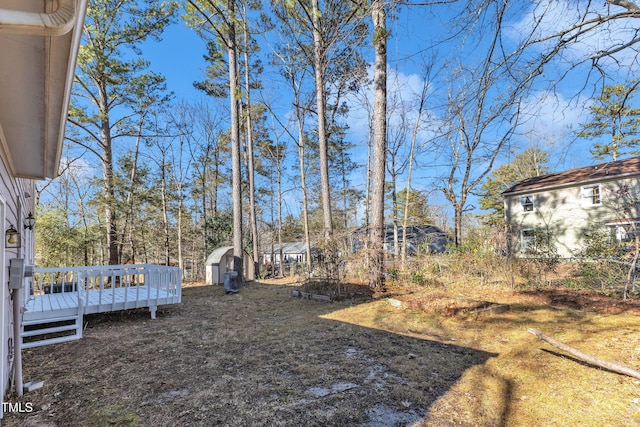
x=567 y=205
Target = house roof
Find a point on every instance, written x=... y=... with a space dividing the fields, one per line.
x=39 y=41
x=599 y=172
x=288 y=248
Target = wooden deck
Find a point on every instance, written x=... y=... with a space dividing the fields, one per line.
x=97 y=301
x=65 y=295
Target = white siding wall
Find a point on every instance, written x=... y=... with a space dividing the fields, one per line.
x=568 y=215
x=16 y=201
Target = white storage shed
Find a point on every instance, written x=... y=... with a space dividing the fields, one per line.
x=220 y=261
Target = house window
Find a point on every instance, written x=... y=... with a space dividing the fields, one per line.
x=527 y=203
x=591 y=194
x=527 y=239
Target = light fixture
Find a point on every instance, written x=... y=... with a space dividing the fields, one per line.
x=11 y=237
x=29 y=221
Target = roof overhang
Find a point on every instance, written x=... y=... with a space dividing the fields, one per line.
x=39 y=41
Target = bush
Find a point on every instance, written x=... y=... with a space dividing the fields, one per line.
x=599 y=244
x=601 y=275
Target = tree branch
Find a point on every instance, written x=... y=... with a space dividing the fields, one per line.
x=631 y=6
x=613 y=367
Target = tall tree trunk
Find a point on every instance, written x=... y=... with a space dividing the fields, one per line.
x=165 y=216
x=130 y=196
x=323 y=144
x=236 y=175
x=203 y=200
x=252 y=199
x=180 y=205
x=109 y=191
x=376 y=235
x=279 y=184
x=394 y=206
x=407 y=199
x=303 y=186
x=457 y=222
x=345 y=183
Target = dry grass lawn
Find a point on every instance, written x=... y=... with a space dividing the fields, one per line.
x=420 y=357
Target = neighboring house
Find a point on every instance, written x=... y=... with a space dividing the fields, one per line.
x=420 y=238
x=291 y=252
x=566 y=206
x=38 y=49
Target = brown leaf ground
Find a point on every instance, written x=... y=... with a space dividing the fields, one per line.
x=264 y=358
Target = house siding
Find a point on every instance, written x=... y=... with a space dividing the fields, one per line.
x=567 y=215
x=17 y=198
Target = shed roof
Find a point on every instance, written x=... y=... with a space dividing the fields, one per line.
x=599 y=172
x=217 y=254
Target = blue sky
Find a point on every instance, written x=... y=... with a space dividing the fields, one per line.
x=179 y=57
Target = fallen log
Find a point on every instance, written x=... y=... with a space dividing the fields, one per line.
x=613 y=367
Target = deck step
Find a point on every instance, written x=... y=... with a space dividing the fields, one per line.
x=51 y=331
x=43 y=331
x=48 y=320
x=57 y=340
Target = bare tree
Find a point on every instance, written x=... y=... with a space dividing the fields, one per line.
x=327 y=34
x=276 y=152
x=556 y=38
x=482 y=114
x=410 y=160
x=294 y=72
x=397 y=158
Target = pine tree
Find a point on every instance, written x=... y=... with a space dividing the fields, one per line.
x=613 y=117
x=110 y=91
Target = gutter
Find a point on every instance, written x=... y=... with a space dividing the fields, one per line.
x=56 y=23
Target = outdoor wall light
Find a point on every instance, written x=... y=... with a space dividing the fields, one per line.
x=29 y=221
x=11 y=237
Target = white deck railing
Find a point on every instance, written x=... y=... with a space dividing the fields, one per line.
x=110 y=287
